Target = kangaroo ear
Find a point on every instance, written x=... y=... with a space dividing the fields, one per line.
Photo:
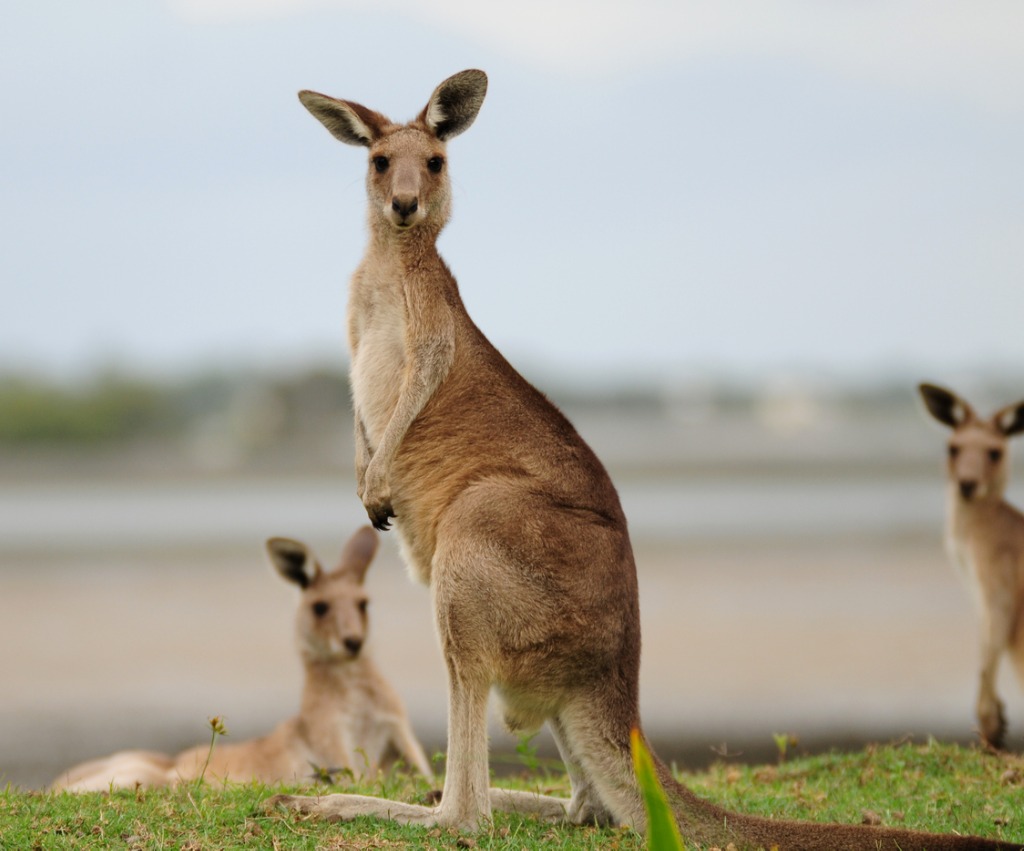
x=1010 y=420
x=948 y=408
x=293 y=560
x=348 y=122
x=358 y=553
x=454 y=105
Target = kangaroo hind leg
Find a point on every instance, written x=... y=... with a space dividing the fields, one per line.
x=595 y=746
x=997 y=635
x=584 y=807
x=544 y=807
x=586 y=804
x=465 y=801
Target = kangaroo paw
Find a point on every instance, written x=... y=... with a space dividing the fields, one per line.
x=380 y=516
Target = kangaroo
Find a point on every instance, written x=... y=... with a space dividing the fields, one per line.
x=985 y=537
x=508 y=516
x=350 y=718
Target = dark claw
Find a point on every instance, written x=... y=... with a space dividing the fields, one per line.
x=381 y=519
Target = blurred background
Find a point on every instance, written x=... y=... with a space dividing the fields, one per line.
x=727 y=239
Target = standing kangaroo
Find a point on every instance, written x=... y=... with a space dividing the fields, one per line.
x=985 y=537
x=507 y=515
x=350 y=718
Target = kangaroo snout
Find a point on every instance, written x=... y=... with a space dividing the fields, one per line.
x=405 y=207
x=353 y=645
x=968 y=488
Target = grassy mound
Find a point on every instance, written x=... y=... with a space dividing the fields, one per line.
x=934 y=787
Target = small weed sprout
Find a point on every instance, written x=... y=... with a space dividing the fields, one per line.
x=217 y=728
x=527 y=751
x=783 y=742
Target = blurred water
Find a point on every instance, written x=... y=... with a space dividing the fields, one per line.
x=204 y=513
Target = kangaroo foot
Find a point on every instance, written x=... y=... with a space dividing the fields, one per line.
x=993 y=725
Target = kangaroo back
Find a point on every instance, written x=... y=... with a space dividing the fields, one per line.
x=121 y=770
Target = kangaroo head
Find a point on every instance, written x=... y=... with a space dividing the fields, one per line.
x=977 y=461
x=331 y=623
x=407 y=181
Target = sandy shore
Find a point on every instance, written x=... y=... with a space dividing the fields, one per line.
x=836 y=642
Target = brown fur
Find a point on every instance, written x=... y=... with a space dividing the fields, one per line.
x=985 y=537
x=508 y=516
x=350 y=718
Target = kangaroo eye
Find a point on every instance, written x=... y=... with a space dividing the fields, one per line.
x=954 y=451
x=435 y=164
x=362 y=606
x=995 y=455
x=320 y=608
x=381 y=164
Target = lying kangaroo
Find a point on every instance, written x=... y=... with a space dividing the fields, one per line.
x=508 y=516
x=985 y=537
x=350 y=719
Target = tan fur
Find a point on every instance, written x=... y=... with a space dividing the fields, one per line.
x=508 y=516
x=350 y=720
x=985 y=537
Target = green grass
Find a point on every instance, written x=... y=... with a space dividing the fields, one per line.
x=209 y=816
x=934 y=787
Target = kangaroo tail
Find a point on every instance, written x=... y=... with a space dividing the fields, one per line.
x=704 y=822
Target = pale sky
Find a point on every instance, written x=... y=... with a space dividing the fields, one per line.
x=731 y=187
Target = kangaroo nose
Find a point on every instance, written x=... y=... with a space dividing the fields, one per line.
x=405 y=207
x=353 y=645
x=967 y=489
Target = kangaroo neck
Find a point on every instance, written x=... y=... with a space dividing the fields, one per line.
x=412 y=248
x=967 y=520
x=966 y=510
x=326 y=693
x=409 y=261
x=328 y=683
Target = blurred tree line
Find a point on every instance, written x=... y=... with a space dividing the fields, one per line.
x=108 y=409
x=112 y=407
x=249 y=409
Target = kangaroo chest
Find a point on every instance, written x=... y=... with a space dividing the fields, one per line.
x=377 y=343
x=348 y=727
x=973 y=541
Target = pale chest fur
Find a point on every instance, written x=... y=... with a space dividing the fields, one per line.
x=348 y=722
x=377 y=334
x=956 y=542
x=986 y=542
x=961 y=546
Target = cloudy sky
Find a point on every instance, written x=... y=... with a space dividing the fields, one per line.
x=667 y=185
